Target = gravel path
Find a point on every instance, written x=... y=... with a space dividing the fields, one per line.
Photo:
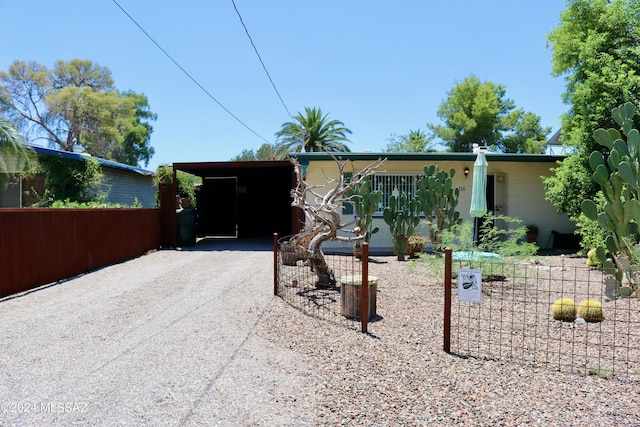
x=196 y=338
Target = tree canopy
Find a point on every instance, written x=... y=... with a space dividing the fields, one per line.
x=265 y=152
x=312 y=131
x=596 y=49
x=75 y=106
x=479 y=112
x=416 y=141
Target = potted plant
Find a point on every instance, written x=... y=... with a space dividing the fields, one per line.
x=415 y=245
x=532 y=233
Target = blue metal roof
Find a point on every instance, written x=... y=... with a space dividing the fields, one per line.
x=81 y=157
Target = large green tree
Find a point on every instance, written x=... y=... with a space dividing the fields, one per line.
x=479 y=112
x=596 y=48
x=416 y=141
x=136 y=144
x=265 y=152
x=75 y=105
x=312 y=131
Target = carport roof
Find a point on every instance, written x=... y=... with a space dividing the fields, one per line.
x=204 y=169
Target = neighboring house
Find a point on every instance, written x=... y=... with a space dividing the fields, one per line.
x=514 y=186
x=122 y=183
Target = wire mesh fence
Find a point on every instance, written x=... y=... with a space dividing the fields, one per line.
x=332 y=295
x=514 y=319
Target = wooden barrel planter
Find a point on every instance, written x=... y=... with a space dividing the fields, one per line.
x=350 y=286
x=287 y=254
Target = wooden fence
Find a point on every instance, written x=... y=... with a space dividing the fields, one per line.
x=41 y=246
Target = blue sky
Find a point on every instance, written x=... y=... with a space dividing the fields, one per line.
x=380 y=67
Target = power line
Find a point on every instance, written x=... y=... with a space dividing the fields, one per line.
x=189 y=75
x=260 y=58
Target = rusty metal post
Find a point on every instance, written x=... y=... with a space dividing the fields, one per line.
x=364 y=289
x=447 y=299
x=275 y=263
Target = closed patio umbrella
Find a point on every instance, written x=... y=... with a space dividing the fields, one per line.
x=478 y=192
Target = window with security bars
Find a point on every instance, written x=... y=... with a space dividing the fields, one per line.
x=394 y=185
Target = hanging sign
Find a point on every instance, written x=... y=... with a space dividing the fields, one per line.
x=470 y=285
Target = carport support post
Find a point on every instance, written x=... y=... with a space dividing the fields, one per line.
x=447 y=300
x=275 y=263
x=364 y=288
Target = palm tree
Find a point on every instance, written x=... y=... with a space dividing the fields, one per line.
x=13 y=154
x=312 y=132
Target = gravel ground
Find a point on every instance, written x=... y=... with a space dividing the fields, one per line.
x=399 y=375
x=196 y=338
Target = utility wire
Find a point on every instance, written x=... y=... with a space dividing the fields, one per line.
x=189 y=75
x=260 y=58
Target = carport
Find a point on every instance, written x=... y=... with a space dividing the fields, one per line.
x=243 y=199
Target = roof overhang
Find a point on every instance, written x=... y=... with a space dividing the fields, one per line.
x=433 y=157
x=82 y=157
x=212 y=169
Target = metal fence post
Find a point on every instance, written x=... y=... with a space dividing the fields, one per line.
x=364 y=289
x=447 y=299
x=275 y=264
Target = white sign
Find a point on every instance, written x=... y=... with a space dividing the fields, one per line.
x=470 y=285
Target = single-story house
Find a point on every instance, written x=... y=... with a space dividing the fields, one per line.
x=514 y=185
x=122 y=183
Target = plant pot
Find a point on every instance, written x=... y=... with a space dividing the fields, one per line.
x=532 y=238
x=350 y=288
x=288 y=255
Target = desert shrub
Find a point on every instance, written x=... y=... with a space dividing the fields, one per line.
x=507 y=242
x=591 y=311
x=564 y=309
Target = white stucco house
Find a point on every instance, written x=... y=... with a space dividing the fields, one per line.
x=514 y=185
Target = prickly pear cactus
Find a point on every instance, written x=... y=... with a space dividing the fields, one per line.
x=439 y=201
x=402 y=216
x=365 y=202
x=619 y=178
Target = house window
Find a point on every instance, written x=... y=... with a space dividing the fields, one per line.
x=394 y=185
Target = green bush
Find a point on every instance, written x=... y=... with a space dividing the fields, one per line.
x=508 y=242
x=564 y=309
x=68 y=179
x=186 y=182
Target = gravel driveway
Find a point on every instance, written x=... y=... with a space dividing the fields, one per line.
x=165 y=339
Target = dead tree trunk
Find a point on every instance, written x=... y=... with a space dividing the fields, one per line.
x=322 y=216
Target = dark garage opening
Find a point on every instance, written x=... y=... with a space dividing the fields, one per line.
x=243 y=199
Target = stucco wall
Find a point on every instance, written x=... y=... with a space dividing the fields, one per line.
x=524 y=191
